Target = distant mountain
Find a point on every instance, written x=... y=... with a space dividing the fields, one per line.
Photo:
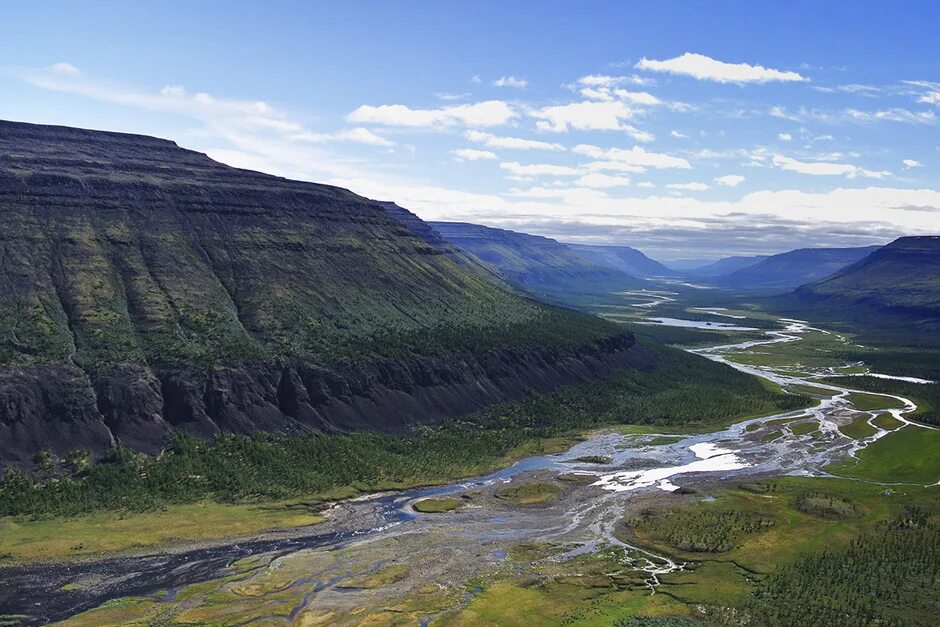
x=537 y=264
x=904 y=275
x=623 y=258
x=792 y=269
x=726 y=265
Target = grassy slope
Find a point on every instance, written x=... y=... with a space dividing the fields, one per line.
x=204 y=263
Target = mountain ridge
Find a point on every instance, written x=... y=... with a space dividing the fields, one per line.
x=147 y=289
x=793 y=268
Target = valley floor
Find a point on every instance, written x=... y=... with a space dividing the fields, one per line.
x=739 y=524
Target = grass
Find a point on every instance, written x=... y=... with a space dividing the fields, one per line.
x=101 y=532
x=887 y=421
x=663 y=440
x=802 y=428
x=383 y=577
x=577 y=477
x=812 y=389
x=437 y=505
x=529 y=493
x=770 y=437
x=907 y=455
x=858 y=428
x=872 y=402
x=796 y=532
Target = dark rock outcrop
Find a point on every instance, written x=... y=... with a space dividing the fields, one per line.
x=60 y=409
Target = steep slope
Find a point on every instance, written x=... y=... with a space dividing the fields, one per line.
x=727 y=265
x=625 y=259
x=145 y=288
x=794 y=268
x=537 y=264
x=904 y=275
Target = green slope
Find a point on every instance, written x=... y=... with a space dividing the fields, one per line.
x=146 y=288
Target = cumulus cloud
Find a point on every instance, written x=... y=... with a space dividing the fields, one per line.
x=911 y=163
x=480 y=114
x=705 y=68
x=692 y=187
x=510 y=81
x=636 y=156
x=538 y=169
x=784 y=137
x=469 y=154
x=589 y=116
x=678 y=134
x=730 y=180
x=517 y=143
x=602 y=181
x=825 y=168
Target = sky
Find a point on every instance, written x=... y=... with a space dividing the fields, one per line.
x=687 y=130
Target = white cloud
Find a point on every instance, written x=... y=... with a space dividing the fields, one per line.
x=469 y=154
x=678 y=134
x=825 y=168
x=930 y=97
x=692 y=187
x=538 y=169
x=780 y=112
x=784 y=137
x=896 y=114
x=646 y=185
x=613 y=166
x=66 y=69
x=702 y=67
x=357 y=135
x=510 y=81
x=518 y=143
x=911 y=163
x=730 y=180
x=446 y=95
x=636 y=156
x=601 y=181
x=480 y=114
x=603 y=80
x=589 y=116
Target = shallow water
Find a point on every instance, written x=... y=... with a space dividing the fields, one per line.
x=696 y=324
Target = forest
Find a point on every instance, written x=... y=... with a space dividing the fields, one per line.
x=683 y=390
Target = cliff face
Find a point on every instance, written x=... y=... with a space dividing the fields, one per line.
x=146 y=288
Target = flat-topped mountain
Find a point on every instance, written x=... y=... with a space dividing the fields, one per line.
x=724 y=266
x=625 y=259
x=794 y=268
x=145 y=288
x=903 y=275
x=540 y=265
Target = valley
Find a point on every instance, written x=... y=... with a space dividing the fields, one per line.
x=595 y=546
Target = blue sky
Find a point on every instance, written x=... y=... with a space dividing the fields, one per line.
x=684 y=129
